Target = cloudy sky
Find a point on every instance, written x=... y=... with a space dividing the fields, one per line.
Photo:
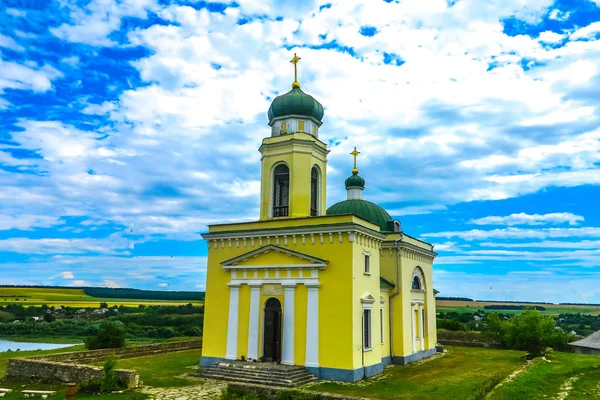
x=127 y=127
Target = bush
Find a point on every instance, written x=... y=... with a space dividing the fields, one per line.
x=110 y=335
x=451 y=325
x=109 y=382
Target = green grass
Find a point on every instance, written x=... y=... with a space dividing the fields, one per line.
x=544 y=379
x=164 y=370
x=459 y=374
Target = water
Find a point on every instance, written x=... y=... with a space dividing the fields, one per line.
x=6 y=345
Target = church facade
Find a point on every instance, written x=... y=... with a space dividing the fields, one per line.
x=342 y=290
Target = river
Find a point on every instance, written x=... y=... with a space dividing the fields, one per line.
x=6 y=345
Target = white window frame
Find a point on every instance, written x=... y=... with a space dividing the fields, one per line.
x=381 y=324
x=367 y=327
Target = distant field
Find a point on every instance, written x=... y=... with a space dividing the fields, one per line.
x=551 y=309
x=72 y=298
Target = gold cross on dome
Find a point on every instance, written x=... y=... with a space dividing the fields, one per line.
x=355 y=153
x=295 y=62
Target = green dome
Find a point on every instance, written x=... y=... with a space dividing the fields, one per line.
x=355 y=181
x=295 y=102
x=364 y=209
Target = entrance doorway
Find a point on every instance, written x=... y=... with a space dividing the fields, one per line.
x=272 y=331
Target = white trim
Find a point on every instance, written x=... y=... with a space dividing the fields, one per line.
x=312 y=327
x=232 y=322
x=287 y=356
x=253 y=322
x=270 y=281
x=422 y=330
x=272 y=266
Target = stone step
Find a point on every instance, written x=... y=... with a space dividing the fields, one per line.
x=289 y=378
x=260 y=372
x=274 y=376
x=259 y=381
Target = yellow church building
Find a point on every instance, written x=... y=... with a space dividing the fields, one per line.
x=342 y=291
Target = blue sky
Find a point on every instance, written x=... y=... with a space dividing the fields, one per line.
x=126 y=127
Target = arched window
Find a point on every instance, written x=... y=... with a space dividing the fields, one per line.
x=416 y=283
x=314 y=191
x=281 y=191
x=418 y=279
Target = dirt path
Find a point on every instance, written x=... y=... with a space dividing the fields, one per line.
x=206 y=390
x=567 y=386
x=509 y=378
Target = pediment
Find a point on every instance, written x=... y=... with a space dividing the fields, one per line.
x=272 y=256
x=368 y=299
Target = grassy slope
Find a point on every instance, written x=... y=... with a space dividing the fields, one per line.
x=455 y=375
x=544 y=379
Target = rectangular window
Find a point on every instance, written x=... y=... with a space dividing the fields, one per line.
x=367 y=264
x=283 y=128
x=366 y=329
x=301 y=126
x=381 y=323
x=314 y=130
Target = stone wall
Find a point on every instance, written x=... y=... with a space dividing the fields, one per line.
x=71 y=367
x=29 y=369
x=95 y=356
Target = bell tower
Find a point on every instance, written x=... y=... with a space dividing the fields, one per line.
x=294 y=160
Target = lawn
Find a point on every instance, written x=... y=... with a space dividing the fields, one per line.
x=459 y=374
x=576 y=376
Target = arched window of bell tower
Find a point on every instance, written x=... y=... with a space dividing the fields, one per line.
x=281 y=190
x=315 y=176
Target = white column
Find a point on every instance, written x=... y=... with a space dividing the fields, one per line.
x=232 y=322
x=414 y=328
x=287 y=356
x=312 y=326
x=422 y=330
x=253 y=322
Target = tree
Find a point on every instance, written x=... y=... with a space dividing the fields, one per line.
x=110 y=335
x=531 y=331
x=48 y=317
x=103 y=305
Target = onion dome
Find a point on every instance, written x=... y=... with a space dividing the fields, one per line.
x=355 y=181
x=296 y=102
x=365 y=210
x=355 y=204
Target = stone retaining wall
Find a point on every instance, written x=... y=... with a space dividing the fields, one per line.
x=95 y=356
x=27 y=368
x=272 y=392
x=71 y=367
x=470 y=344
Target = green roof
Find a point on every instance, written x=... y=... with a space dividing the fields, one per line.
x=366 y=210
x=385 y=283
x=296 y=102
x=355 y=181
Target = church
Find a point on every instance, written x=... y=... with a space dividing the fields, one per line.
x=342 y=291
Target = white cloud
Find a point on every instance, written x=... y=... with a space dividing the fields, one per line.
x=15 y=12
x=530 y=219
x=66 y=275
x=163 y=284
x=100 y=109
x=18 y=76
x=518 y=233
x=28 y=221
x=558 y=15
x=9 y=43
x=586 y=32
x=550 y=37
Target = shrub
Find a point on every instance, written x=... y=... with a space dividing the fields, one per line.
x=295 y=395
x=451 y=325
x=110 y=335
x=109 y=381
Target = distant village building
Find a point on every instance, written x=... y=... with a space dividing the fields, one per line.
x=588 y=345
x=342 y=291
